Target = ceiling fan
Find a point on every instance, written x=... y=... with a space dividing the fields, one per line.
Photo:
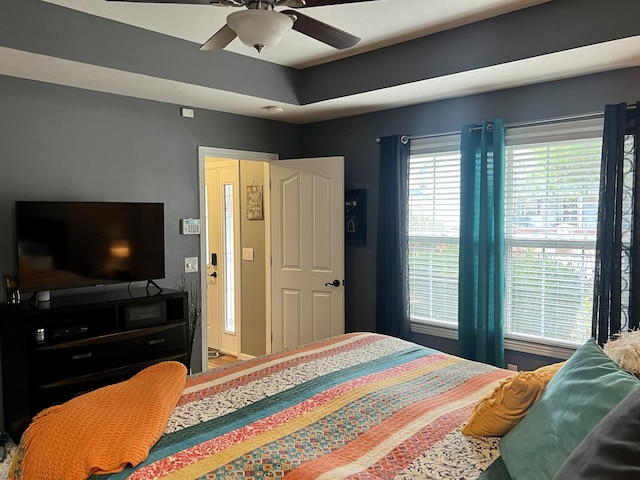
x=260 y=25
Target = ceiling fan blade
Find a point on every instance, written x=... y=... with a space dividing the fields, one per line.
x=320 y=3
x=186 y=2
x=291 y=3
x=321 y=31
x=220 y=39
x=224 y=3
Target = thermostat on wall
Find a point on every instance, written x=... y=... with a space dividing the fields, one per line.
x=190 y=226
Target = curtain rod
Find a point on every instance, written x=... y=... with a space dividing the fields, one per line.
x=584 y=116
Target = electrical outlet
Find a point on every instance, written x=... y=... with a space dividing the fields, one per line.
x=512 y=366
x=190 y=264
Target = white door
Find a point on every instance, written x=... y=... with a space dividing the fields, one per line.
x=307 y=247
x=222 y=265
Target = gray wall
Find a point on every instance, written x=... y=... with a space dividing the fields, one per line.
x=355 y=137
x=524 y=361
x=65 y=143
x=60 y=143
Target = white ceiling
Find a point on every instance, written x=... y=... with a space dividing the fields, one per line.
x=379 y=23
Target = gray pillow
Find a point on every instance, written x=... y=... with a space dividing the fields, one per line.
x=612 y=449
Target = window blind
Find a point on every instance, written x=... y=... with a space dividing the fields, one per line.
x=433 y=226
x=551 y=202
x=552 y=179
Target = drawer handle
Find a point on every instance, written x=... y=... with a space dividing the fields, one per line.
x=155 y=342
x=80 y=356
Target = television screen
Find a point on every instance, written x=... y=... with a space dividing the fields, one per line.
x=78 y=244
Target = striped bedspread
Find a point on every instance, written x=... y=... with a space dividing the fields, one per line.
x=360 y=406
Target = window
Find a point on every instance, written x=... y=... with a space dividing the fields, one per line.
x=551 y=202
x=434 y=224
x=230 y=270
x=552 y=180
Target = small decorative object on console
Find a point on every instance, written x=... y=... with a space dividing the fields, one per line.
x=12 y=294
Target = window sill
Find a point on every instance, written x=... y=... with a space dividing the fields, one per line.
x=516 y=343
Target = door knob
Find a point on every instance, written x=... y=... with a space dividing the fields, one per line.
x=335 y=283
x=214 y=274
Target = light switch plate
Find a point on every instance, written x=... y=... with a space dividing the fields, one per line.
x=247 y=254
x=190 y=264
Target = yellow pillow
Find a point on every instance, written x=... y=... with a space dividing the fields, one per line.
x=509 y=402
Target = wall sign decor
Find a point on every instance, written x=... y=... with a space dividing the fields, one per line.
x=355 y=216
x=254 y=202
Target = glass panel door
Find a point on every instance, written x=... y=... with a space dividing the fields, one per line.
x=229 y=252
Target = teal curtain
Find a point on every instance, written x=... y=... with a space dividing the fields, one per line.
x=481 y=275
x=392 y=274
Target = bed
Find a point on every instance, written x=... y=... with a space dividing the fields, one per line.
x=359 y=406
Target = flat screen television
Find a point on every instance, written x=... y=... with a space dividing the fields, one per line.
x=78 y=244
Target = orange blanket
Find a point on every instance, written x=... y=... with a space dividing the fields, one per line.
x=101 y=431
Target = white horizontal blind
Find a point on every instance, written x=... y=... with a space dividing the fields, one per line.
x=434 y=228
x=551 y=199
x=552 y=179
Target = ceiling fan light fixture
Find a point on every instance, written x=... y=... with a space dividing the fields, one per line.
x=259 y=28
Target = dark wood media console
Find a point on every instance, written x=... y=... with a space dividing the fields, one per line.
x=74 y=344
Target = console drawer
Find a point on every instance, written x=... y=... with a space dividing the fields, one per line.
x=53 y=363
x=61 y=391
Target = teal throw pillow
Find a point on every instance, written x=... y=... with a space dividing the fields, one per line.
x=611 y=449
x=495 y=471
x=584 y=391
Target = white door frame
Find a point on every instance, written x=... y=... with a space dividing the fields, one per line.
x=203 y=153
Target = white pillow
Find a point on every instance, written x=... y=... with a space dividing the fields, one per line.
x=625 y=351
